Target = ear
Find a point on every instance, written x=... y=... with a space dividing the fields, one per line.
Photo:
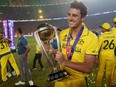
x=83 y=18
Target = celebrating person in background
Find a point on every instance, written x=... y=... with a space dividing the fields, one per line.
x=79 y=48
x=114 y=27
x=5 y=56
x=114 y=72
x=23 y=50
x=106 y=54
x=38 y=56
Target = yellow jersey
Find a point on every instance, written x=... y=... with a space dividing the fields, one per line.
x=38 y=49
x=87 y=44
x=4 y=46
x=106 y=45
x=114 y=30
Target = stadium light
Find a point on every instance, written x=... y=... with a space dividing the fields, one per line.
x=39 y=11
x=41 y=17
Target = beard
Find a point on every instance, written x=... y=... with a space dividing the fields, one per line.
x=74 y=24
x=71 y=24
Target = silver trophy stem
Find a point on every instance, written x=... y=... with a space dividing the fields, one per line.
x=56 y=32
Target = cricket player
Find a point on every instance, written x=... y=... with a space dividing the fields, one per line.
x=114 y=72
x=106 y=55
x=5 y=56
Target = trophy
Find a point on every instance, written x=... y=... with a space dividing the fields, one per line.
x=44 y=34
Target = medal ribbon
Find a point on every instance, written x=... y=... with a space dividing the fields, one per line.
x=69 y=50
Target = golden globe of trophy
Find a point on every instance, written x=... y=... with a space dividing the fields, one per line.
x=43 y=35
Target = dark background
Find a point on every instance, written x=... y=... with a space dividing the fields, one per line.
x=19 y=10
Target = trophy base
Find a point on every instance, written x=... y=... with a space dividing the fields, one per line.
x=57 y=75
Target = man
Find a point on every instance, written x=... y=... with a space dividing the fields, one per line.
x=6 y=56
x=38 y=56
x=114 y=28
x=114 y=72
x=23 y=50
x=78 y=48
x=106 y=54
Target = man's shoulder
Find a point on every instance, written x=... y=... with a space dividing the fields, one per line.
x=92 y=35
x=65 y=30
x=114 y=30
x=23 y=38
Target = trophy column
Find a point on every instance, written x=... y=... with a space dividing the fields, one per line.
x=43 y=35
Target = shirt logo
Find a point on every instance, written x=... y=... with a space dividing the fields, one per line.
x=65 y=38
x=81 y=41
x=77 y=49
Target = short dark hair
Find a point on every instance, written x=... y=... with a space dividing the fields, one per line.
x=79 y=5
x=19 y=30
x=59 y=29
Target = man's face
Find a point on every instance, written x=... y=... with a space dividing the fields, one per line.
x=74 y=18
x=17 y=34
x=103 y=30
x=1 y=36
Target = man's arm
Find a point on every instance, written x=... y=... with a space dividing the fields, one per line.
x=85 y=67
x=7 y=40
x=27 y=50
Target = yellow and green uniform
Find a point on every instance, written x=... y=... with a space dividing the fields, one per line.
x=114 y=30
x=87 y=44
x=37 y=49
x=5 y=56
x=114 y=72
x=106 y=57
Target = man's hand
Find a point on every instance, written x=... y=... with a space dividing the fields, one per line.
x=59 y=58
x=25 y=55
x=7 y=40
x=47 y=47
x=97 y=61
